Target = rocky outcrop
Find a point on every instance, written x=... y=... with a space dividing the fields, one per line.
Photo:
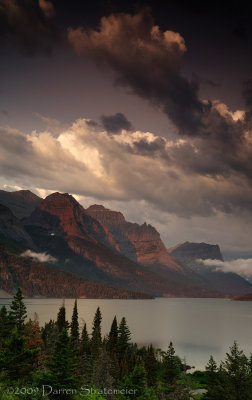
x=141 y=243
x=188 y=252
x=21 y=202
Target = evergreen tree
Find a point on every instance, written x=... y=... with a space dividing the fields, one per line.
x=151 y=367
x=16 y=359
x=137 y=382
x=85 y=341
x=238 y=372
x=113 y=336
x=102 y=377
x=123 y=339
x=18 y=310
x=61 y=368
x=96 y=339
x=61 y=318
x=6 y=323
x=171 y=369
x=75 y=324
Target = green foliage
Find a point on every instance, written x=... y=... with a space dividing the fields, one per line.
x=61 y=369
x=123 y=339
x=61 y=318
x=75 y=324
x=96 y=340
x=113 y=336
x=171 y=370
x=18 y=312
x=151 y=367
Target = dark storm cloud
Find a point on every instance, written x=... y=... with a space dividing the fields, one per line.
x=115 y=123
x=148 y=61
x=27 y=24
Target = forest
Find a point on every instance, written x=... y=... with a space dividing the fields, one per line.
x=64 y=361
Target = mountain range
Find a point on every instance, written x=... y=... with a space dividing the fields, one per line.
x=54 y=247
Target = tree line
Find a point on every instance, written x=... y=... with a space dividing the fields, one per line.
x=62 y=360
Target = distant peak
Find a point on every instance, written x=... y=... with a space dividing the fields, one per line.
x=97 y=207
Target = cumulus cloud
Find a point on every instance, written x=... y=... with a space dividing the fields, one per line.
x=240 y=266
x=115 y=123
x=41 y=257
x=28 y=25
x=148 y=61
x=86 y=160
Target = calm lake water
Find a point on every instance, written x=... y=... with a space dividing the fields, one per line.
x=197 y=327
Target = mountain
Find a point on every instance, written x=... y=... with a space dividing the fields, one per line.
x=21 y=202
x=12 y=230
x=140 y=243
x=190 y=254
x=41 y=280
x=87 y=247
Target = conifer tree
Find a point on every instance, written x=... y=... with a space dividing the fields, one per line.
x=61 y=372
x=96 y=340
x=18 y=311
x=123 y=339
x=238 y=373
x=102 y=377
x=113 y=336
x=16 y=359
x=75 y=324
x=137 y=381
x=61 y=318
x=171 y=369
x=85 y=341
x=151 y=367
x=6 y=324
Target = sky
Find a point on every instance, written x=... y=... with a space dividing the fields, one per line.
x=143 y=106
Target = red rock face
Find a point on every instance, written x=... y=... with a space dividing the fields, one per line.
x=64 y=214
x=141 y=243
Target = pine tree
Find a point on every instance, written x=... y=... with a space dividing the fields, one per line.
x=85 y=341
x=102 y=377
x=171 y=369
x=16 y=359
x=61 y=369
x=238 y=372
x=123 y=339
x=113 y=336
x=6 y=323
x=61 y=318
x=96 y=340
x=138 y=382
x=75 y=324
x=18 y=311
x=151 y=367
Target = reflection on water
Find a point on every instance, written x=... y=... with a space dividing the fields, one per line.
x=197 y=327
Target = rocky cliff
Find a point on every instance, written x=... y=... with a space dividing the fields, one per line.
x=90 y=248
x=141 y=243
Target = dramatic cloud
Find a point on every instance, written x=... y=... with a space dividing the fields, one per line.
x=115 y=123
x=27 y=24
x=239 y=266
x=148 y=61
x=41 y=257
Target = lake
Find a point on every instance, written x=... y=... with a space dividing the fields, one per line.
x=197 y=327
